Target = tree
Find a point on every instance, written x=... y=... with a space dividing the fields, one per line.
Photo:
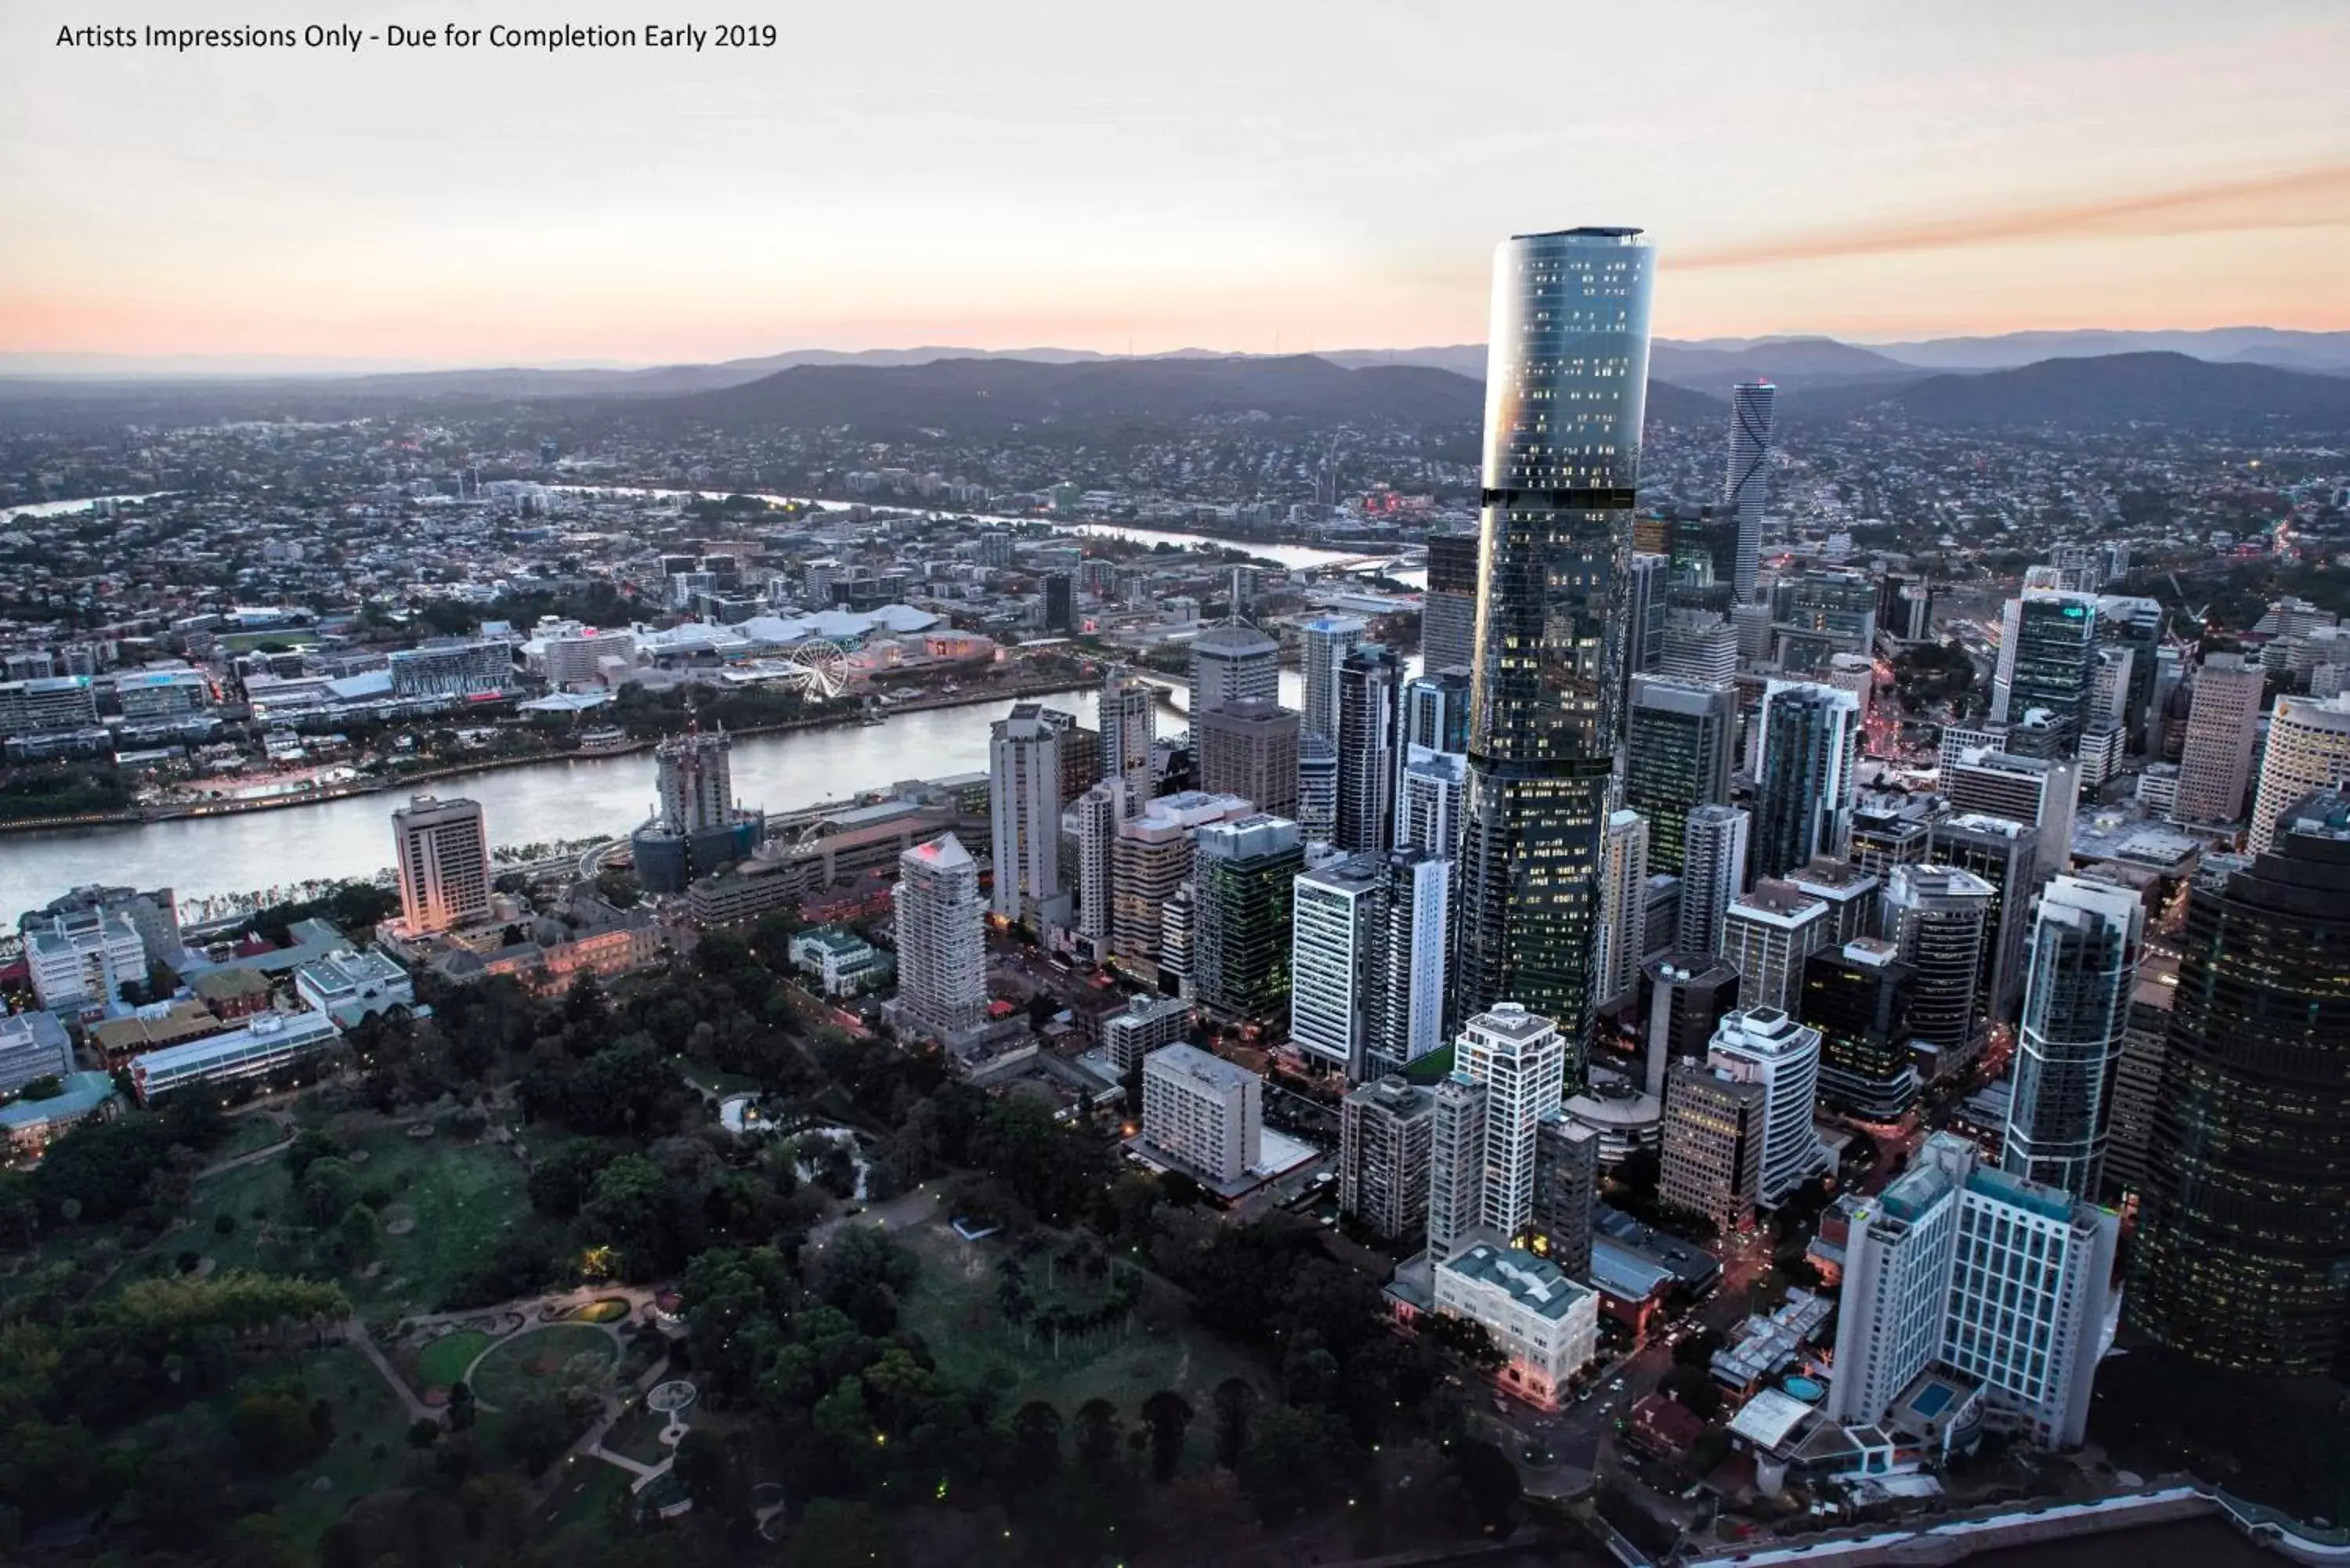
x=1235 y=1402
x=633 y=1210
x=329 y=1187
x=273 y=1425
x=1491 y=1483
x=358 y=1233
x=1099 y=1437
x=1035 y=1443
x=1167 y=1415
x=1298 y=1461
x=462 y=1406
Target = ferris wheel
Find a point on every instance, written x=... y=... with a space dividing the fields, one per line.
x=819 y=668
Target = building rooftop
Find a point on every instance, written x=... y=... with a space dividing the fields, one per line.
x=83 y=1093
x=1769 y=1419
x=1198 y=1065
x=1535 y=1283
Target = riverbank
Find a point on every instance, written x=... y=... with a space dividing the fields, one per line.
x=194 y=810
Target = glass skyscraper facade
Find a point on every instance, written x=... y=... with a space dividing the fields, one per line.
x=1565 y=390
x=2243 y=1253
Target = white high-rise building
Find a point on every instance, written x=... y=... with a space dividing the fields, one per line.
x=1366 y=970
x=942 y=938
x=1520 y=1059
x=2004 y=1282
x=1090 y=827
x=2081 y=971
x=2308 y=749
x=1130 y=712
x=1764 y=1045
x=1698 y=646
x=2221 y=725
x=1024 y=811
x=1428 y=809
x=81 y=958
x=444 y=848
x=1713 y=872
x=1324 y=643
x=1623 y=906
x=1331 y=917
x=1748 y=488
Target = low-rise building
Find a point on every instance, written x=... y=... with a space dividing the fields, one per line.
x=348 y=986
x=1148 y=1023
x=840 y=961
x=27 y=1127
x=33 y=1046
x=1546 y=1325
x=268 y=1042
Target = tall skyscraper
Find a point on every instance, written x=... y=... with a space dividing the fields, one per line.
x=2023 y=789
x=1565 y=387
x=1768 y=936
x=1698 y=644
x=1748 y=488
x=443 y=850
x=1231 y=662
x=1089 y=827
x=1520 y=1059
x=1025 y=779
x=2082 y=968
x=1765 y=1046
x=1370 y=687
x=1448 y=611
x=1623 y=905
x=1151 y=858
x=1679 y=741
x=1456 y=1165
x=2222 y=722
x=1060 y=604
x=2135 y=625
x=1710 y=1162
x=1428 y=808
x=1857 y=997
x=1935 y=917
x=2048 y=660
x=1242 y=874
x=942 y=938
x=1713 y=873
x=2005 y=854
x=1129 y=713
x=1410 y=961
x=1367 y=961
x=1386 y=1137
x=1324 y=643
x=2308 y=749
x=1249 y=748
x=2243 y=1237
x=1318 y=787
x=1803 y=788
x=696 y=826
x=2004 y=1282
x=1647 y=602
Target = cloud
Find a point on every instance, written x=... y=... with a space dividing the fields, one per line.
x=2311 y=198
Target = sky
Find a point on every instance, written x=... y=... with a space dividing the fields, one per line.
x=1249 y=175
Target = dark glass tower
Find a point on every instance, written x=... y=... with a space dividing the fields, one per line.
x=2243 y=1252
x=1565 y=387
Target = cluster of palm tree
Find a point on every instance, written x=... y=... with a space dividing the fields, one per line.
x=1083 y=1263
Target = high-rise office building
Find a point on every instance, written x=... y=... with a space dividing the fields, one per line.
x=1367 y=952
x=2005 y=854
x=1322 y=645
x=1698 y=645
x=2243 y=1237
x=1456 y=1165
x=1129 y=713
x=1318 y=787
x=2082 y=967
x=1768 y=935
x=1436 y=712
x=1428 y=808
x=1243 y=876
x=1386 y=1139
x=1765 y=1046
x=1564 y=392
x=1410 y=959
x=696 y=826
x=1566 y=1186
x=443 y=850
x=2001 y=1281
x=1711 y=1159
x=1803 y=787
x=1520 y=1059
x=1623 y=906
x=1689 y=994
x=1855 y=898
x=1448 y=611
x=2023 y=789
x=1060 y=604
x=2222 y=722
x=1151 y=858
x=1024 y=798
x=1370 y=686
x=1090 y=838
x=2135 y=625
x=1935 y=917
x=2308 y=749
x=2137 y=1078
x=1857 y=996
x=1747 y=490
x=1230 y=664
x=1647 y=602
x=1713 y=873
x=1249 y=748
x=1890 y=830
x=1679 y=737
x=942 y=938
x=2048 y=661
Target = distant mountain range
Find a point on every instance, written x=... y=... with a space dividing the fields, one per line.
x=2117 y=389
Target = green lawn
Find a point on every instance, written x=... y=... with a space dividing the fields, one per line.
x=465 y=1201
x=367 y=1417
x=954 y=1308
x=250 y=1132
x=444 y=1360
x=508 y=1373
